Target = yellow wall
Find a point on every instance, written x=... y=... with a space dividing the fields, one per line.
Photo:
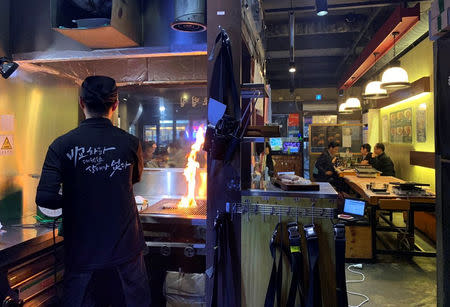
x=418 y=63
x=44 y=108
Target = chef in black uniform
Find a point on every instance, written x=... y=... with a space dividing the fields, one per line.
x=96 y=165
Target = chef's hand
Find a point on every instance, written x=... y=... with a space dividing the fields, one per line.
x=364 y=162
x=328 y=173
x=334 y=160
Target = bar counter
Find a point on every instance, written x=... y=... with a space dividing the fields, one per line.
x=326 y=192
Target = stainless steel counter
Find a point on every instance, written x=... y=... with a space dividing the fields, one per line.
x=326 y=191
x=18 y=242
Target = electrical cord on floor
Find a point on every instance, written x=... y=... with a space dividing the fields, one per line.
x=366 y=298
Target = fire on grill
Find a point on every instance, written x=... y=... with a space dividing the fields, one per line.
x=192 y=204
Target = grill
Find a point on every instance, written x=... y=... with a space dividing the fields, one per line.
x=169 y=207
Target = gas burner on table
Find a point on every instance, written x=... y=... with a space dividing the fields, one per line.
x=409 y=189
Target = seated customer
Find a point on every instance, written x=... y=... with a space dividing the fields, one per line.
x=366 y=154
x=382 y=162
x=324 y=167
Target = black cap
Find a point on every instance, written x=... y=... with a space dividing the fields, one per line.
x=99 y=93
x=98 y=87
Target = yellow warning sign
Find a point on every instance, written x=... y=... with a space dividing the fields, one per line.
x=6 y=144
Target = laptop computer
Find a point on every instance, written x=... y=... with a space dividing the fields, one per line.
x=353 y=209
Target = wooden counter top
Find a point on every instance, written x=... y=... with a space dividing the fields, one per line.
x=359 y=185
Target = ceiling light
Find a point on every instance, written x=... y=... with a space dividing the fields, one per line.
x=292 y=68
x=394 y=78
x=373 y=91
x=352 y=103
x=7 y=67
x=321 y=7
x=162 y=109
x=343 y=109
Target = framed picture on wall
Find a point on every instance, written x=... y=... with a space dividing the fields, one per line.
x=421 y=124
x=401 y=126
x=385 y=129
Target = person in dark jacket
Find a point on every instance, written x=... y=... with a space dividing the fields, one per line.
x=324 y=168
x=382 y=162
x=366 y=154
x=89 y=173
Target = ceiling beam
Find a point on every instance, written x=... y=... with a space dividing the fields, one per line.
x=344 y=6
x=280 y=75
x=308 y=64
x=331 y=24
x=412 y=38
x=352 y=49
x=401 y=21
x=304 y=83
x=319 y=41
x=281 y=54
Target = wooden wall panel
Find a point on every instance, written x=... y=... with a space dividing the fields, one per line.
x=420 y=158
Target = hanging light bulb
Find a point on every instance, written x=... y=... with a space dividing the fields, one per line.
x=321 y=7
x=374 y=91
x=292 y=68
x=352 y=103
x=394 y=77
x=343 y=110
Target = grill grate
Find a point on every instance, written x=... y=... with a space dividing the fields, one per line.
x=169 y=207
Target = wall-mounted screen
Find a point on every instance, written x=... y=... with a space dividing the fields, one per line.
x=291 y=147
x=276 y=144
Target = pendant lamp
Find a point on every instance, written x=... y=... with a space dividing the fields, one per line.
x=343 y=110
x=373 y=89
x=394 y=77
x=352 y=103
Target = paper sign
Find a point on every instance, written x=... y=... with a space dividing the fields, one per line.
x=347 y=141
x=6 y=145
x=6 y=122
x=293 y=120
x=216 y=110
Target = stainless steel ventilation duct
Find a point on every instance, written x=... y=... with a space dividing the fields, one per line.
x=190 y=16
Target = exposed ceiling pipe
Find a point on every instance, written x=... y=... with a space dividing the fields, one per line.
x=358 y=39
x=345 y=6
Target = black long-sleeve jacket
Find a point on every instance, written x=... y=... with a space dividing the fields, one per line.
x=324 y=164
x=384 y=164
x=96 y=164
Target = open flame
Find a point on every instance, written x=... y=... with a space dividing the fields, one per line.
x=190 y=171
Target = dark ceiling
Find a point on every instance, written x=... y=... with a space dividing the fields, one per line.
x=325 y=47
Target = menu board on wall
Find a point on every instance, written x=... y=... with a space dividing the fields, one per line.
x=345 y=136
x=334 y=134
x=401 y=126
x=318 y=138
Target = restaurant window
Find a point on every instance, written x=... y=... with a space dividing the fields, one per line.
x=166 y=120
